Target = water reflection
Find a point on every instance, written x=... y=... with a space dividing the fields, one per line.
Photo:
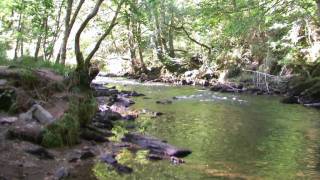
x=232 y=136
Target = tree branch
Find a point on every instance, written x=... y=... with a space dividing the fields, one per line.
x=106 y=33
x=78 y=52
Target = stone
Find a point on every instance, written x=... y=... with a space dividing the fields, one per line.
x=30 y=132
x=61 y=173
x=8 y=120
x=122 y=169
x=109 y=159
x=164 y=101
x=156 y=146
x=42 y=115
x=155 y=157
x=40 y=152
x=93 y=136
x=290 y=100
x=3 y=82
x=86 y=155
x=38 y=113
x=176 y=161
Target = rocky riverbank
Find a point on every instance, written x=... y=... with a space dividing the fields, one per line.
x=295 y=89
x=34 y=114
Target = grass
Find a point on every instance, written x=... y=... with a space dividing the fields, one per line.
x=31 y=63
x=66 y=131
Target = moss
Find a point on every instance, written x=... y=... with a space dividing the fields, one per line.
x=29 y=80
x=66 y=131
x=87 y=110
x=103 y=171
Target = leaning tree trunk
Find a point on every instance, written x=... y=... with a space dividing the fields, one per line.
x=83 y=73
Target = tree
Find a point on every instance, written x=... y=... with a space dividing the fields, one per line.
x=69 y=22
x=83 y=64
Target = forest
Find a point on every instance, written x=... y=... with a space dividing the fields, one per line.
x=159 y=89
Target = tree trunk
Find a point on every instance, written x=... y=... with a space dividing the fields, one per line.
x=18 y=37
x=63 y=52
x=45 y=50
x=318 y=9
x=83 y=65
x=171 y=46
x=158 y=40
x=69 y=22
x=139 y=41
x=36 y=53
x=57 y=30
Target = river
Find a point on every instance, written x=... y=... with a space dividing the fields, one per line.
x=232 y=136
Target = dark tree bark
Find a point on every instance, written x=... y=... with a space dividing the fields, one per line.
x=37 y=50
x=83 y=64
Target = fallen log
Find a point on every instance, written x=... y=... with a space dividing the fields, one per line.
x=156 y=146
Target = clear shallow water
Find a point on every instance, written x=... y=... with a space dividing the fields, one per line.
x=231 y=136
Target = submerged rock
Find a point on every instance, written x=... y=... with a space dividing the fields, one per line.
x=156 y=146
x=165 y=101
x=93 y=136
x=110 y=159
x=290 y=100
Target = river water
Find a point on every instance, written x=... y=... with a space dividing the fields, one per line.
x=231 y=136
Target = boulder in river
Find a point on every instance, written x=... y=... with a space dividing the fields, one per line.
x=110 y=159
x=156 y=146
x=165 y=101
x=290 y=100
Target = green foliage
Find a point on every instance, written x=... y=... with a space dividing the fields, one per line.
x=119 y=132
x=29 y=62
x=29 y=79
x=103 y=171
x=66 y=131
x=86 y=110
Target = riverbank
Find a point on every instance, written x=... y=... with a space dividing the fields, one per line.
x=295 y=89
x=49 y=131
